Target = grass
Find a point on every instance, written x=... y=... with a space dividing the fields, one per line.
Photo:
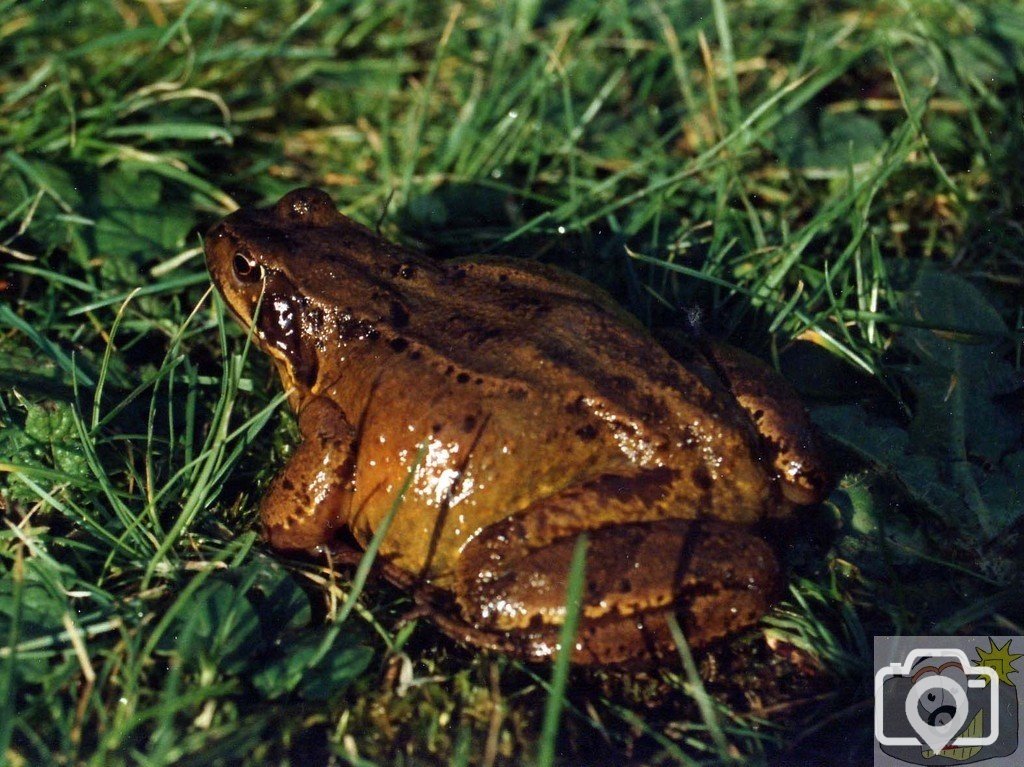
x=831 y=186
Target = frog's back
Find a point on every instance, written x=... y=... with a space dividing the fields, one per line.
x=527 y=384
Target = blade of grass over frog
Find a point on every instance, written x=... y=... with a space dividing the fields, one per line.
x=169 y=285
x=208 y=461
x=251 y=426
x=366 y=561
x=101 y=377
x=244 y=435
x=244 y=432
x=566 y=643
x=697 y=691
x=50 y=349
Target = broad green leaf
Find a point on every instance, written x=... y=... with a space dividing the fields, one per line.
x=834 y=142
x=316 y=665
x=136 y=224
x=41 y=604
x=957 y=377
x=220 y=625
x=46 y=439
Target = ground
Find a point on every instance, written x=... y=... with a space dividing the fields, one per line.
x=832 y=186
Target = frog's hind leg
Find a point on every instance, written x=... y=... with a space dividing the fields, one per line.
x=307 y=500
x=716 y=577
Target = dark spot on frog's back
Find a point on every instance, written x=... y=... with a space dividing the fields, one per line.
x=355 y=329
x=648 y=486
x=398 y=344
x=587 y=433
x=399 y=315
x=623 y=383
x=456 y=275
x=702 y=477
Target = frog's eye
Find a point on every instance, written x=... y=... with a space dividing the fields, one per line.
x=247 y=269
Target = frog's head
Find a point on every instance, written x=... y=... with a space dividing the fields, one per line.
x=255 y=263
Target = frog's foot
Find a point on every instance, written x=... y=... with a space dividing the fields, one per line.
x=718 y=578
x=787 y=433
x=305 y=504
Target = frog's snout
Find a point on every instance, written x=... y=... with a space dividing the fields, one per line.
x=216 y=245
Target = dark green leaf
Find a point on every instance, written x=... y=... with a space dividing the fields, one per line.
x=317 y=664
x=135 y=224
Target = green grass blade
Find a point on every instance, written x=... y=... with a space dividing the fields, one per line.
x=566 y=642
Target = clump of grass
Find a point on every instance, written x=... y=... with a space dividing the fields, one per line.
x=787 y=171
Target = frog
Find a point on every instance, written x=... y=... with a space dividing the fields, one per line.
x=484 y=413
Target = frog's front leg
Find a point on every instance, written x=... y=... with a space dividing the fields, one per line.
x=308 y=499
x=718 y=578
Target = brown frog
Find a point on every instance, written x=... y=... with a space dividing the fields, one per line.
x=529 y=408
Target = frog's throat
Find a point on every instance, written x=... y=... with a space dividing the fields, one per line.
x=296 y=393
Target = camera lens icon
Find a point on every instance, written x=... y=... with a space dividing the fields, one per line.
x=933 y=686
x=936 y=708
